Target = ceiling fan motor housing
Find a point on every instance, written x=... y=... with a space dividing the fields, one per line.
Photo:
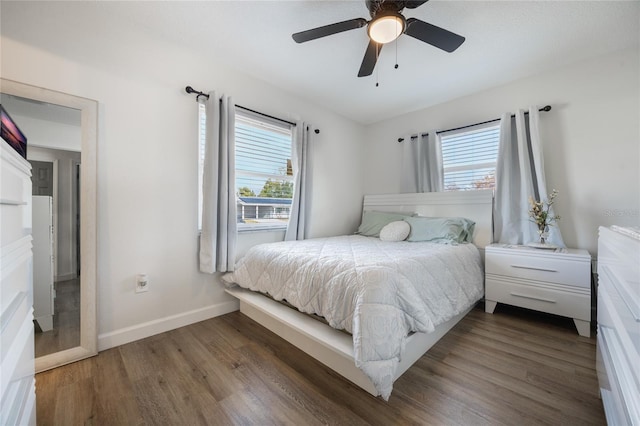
x=377 y=7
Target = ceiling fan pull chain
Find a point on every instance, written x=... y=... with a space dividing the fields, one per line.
x=396 y=43
x=377 y=57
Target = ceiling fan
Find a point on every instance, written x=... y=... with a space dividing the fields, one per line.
x=386 y=25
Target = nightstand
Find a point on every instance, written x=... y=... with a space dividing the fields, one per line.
x=554 y=281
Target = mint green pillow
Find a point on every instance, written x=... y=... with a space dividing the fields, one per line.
x=446 y=230
x=374 y=221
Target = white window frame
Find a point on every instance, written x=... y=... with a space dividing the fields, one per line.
x=256 y=119
x=275 y=126
x=472 y=165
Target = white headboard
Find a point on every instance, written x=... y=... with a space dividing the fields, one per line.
x=474 y=205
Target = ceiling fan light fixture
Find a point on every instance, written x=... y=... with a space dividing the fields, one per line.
x=386 y=28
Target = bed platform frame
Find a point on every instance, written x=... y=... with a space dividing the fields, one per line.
x=334 y=348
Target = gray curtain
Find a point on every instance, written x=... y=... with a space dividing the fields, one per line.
x=219 y=227
x=422 y=163
x=301 y=181
x=519 y=175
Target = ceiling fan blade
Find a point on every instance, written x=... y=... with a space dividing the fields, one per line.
x=328 y=30
x=412 y=4
x=370 y=59
x=435 y=36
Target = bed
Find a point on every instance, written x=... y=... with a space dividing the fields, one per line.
x=383 y=304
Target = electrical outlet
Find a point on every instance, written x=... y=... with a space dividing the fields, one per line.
x=142 y=283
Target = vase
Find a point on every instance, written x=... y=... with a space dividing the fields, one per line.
x=543 y=234
x=543 y=237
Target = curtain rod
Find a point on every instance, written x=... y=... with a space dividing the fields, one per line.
x=543 y=109
x=190 y=90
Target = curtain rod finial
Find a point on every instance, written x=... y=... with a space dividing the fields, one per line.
x=546 y=108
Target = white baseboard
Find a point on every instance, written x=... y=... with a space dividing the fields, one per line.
x=151 y=328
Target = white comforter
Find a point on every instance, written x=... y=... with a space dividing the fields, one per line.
x=377 y=291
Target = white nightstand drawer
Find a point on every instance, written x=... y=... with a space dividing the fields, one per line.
x=553 y=269
x=557 y=301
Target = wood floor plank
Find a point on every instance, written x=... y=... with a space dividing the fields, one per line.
x=441 y=407
x=492 y=398
x=76 y=404
x=509 y=368
x=292 y=386
x=325 y=381
x=530 y=353
x=544 y=396
x=117 y=402
x=199 y=362
x=525 y=368
x=584 y=357
x=536 y=327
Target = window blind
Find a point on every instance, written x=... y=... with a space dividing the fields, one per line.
x=469 y=158
x=263 y=157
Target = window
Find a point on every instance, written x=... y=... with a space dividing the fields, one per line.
x=264 y=175
x=469 y=158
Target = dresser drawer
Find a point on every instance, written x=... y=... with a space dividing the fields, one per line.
x=552 y=269
x=621 y=253
x=624 y=307
x=15 y=176
x=611 y=392
x=545 y=298
x=17 y=382
x=15 y=222
x=16 y=272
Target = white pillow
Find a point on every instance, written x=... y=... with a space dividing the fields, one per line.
x=395 y=231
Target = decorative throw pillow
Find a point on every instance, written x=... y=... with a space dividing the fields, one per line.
x=441 y=229
x=395 y=231
x=374 y=221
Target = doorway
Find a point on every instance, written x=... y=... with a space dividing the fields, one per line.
x=55 y=176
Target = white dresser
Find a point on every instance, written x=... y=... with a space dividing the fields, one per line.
x=553 y=281
x=17 y=383
x=618 y=343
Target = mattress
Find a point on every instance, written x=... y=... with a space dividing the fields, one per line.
x=378 y=291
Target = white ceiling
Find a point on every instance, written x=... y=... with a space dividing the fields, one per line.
x=505 y=41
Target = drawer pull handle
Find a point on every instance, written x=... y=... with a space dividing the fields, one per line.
x=526 y=296
x=535 y=269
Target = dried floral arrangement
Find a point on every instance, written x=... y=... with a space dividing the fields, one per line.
x=541 y=216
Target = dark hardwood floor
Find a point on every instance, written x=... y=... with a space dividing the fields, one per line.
x=514 y=367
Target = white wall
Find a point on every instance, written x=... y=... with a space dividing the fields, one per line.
x=591 y=139
x=147 y=160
